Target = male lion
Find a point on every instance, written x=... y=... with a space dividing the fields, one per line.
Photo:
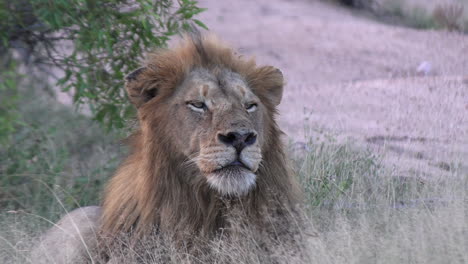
x=207 y=146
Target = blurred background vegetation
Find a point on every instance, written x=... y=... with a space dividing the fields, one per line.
x=420 y=14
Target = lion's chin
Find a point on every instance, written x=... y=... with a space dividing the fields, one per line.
x=232 y=180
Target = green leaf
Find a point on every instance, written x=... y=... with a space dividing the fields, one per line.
x=201 y=24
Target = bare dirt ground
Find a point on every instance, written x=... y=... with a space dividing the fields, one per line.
x=358 y=79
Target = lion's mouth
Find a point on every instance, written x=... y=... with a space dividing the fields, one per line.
x=235 y=165
x=234 y=179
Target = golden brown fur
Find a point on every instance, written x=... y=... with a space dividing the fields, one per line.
x=156 y=187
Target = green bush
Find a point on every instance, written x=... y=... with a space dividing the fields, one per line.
x=94 y=43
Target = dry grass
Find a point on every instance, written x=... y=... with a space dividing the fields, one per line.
x=357 y=212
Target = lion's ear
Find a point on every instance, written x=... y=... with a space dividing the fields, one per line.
x=276 y=88
x=137 y=87
x=270 y=80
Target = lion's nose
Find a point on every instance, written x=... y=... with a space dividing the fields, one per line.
x=238 y=140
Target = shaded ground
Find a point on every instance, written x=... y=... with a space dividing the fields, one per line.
x=359 y=79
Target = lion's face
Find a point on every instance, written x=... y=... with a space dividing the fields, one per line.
x=217 y=124
x=215 y=117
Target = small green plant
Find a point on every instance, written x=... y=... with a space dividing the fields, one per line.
x=9 y=116
x=338 y=176
x=328 y=172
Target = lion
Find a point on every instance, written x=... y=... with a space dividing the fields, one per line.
x=207 y=144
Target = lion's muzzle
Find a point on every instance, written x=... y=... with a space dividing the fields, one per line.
x=230 y=164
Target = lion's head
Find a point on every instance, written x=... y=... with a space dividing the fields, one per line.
x=207 y=134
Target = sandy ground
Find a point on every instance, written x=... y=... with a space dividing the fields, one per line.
x=358 y=79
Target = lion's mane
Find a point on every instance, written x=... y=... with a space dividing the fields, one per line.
x=150 y=191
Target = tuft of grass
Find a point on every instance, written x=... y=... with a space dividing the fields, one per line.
x=449 y=16
x=401 y=13
x=328 y=172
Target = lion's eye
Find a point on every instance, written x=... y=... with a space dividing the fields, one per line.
x=251 y=107
x=197 y=106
